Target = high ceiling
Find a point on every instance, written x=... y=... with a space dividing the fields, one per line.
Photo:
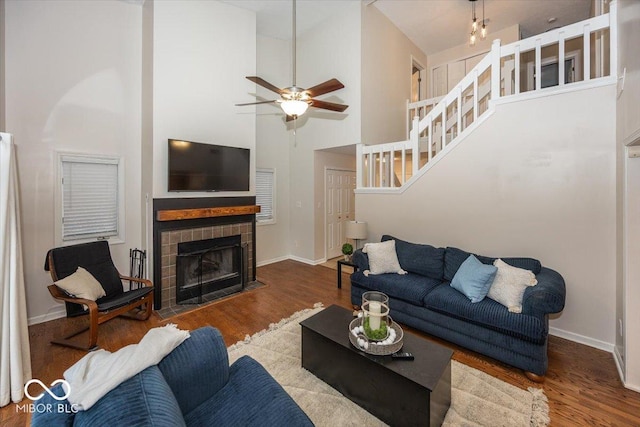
x=433 y=25
x=436 y=25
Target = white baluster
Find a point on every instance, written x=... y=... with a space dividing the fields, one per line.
x=516 y=62
x=586 y=50
x=538 y=65
x=359 y=165
x=495 y=69
x=561 y=58
x=613 y=38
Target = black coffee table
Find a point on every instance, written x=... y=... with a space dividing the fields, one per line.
x=398 y=392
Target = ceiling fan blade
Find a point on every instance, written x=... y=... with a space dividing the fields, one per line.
x=266 y=84
x=326 y=87
x=328 y=105
x=255 y=103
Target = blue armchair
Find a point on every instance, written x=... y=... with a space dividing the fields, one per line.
x=193 y=386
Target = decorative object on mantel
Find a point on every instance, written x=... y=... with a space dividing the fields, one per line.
x=295 y=100
x=356 y=230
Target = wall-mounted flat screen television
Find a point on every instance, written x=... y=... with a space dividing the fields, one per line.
x=194 y=166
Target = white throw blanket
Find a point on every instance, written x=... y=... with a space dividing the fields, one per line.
x=99 y=372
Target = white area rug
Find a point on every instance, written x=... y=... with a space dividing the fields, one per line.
x=477 y=399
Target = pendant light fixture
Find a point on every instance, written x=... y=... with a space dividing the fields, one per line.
x=474 y=24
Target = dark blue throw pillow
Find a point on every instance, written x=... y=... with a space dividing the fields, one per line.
x=454 y=257
x=425 y=260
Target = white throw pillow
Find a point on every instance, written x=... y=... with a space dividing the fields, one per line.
x=509 y=285
x=382 y=258
x=82 y=284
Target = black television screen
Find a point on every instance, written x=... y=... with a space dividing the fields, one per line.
x=195 y=166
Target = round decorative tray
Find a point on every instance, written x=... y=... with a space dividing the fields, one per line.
x=373 y=347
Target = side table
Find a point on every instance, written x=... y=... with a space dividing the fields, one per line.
x=340 y=264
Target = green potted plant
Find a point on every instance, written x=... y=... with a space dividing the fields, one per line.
x=347 y=250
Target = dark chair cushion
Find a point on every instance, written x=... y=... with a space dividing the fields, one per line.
x=125 y=298
x=407 y=287
x=454 y=257
x=48 y=411
x=143 y=400
x=251 y=398
x=486 y=313
x=425 y=260
x=94 y=257
x=197 y=369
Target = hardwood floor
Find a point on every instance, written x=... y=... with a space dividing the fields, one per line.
x=582 y=383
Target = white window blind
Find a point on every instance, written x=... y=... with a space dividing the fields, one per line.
x=89 y=197
x=265 y=194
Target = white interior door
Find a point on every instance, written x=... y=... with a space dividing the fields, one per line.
x=340 y=203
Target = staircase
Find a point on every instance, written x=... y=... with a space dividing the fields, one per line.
x=506 y=74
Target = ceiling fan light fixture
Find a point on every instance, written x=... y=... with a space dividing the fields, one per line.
x=294 y=107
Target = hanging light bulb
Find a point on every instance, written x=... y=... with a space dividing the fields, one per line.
x=474 y=24
x=483 y=32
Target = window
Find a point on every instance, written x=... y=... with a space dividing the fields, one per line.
x=266 y=195
x=90 y=198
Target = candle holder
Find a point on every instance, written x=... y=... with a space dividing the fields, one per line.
x=375 y=308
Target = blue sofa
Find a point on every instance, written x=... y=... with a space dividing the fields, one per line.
x=193 y=386
x=423 y=299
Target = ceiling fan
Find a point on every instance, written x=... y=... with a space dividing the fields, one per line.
x=295 y=100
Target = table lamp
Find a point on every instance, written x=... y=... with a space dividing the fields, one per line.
x=356 y=230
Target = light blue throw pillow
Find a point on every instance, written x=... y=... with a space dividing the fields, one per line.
x=474 y=279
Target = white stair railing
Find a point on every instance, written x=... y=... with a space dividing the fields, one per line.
x=437 y=123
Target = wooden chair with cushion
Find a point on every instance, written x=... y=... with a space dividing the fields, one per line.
x=95 y=257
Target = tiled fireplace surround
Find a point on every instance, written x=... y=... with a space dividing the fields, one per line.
x=167 y=235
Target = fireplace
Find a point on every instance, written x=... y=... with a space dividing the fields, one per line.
x=206 y=266
x=175 y=225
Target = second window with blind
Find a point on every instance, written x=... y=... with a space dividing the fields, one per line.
x=266 y=195
x=90 y=198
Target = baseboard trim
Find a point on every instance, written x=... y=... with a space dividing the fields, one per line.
x=272 y=260
x=617 y=357
x=51 y=315
x=291 y=257
x=581 y=339
x=632 y=387
x=305 y=260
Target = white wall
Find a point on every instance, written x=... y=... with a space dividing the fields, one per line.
x=628 y=132
x=72 y=84
x=331 y=49
x=202 y=52
x=2 y=66
x=534 y=187
x=386 y=77
x=272 y=145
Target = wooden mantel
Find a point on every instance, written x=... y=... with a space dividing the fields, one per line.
x=181 y=214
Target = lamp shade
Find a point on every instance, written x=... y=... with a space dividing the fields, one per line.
x=356 y=230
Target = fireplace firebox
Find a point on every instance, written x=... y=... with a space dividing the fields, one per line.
x=205 y=266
